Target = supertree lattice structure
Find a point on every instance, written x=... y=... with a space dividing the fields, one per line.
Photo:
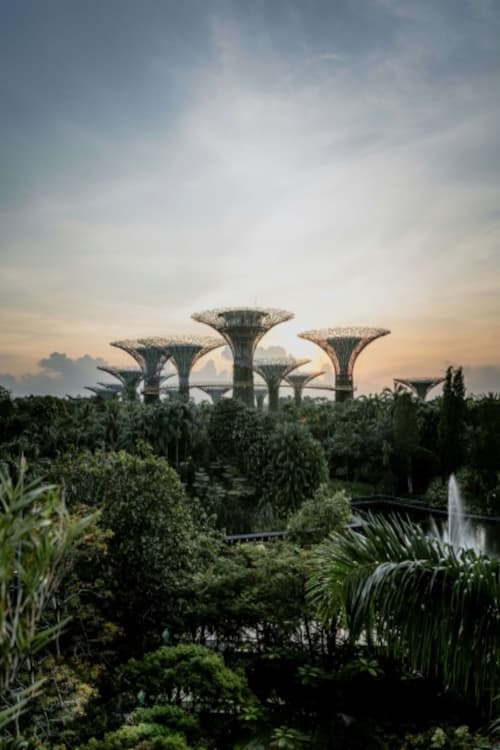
x=243 y=328
x=420 y=386
x=185 y=351
x=130 y=378
x=274 y=371
x=299 y=380
x=216 y=391
x=343 y=346
x=151 y=358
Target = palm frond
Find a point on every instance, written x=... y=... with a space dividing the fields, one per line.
x=420 y=600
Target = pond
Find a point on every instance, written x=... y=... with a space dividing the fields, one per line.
x=485 y=531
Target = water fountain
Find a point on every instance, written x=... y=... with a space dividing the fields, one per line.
x=458 y=531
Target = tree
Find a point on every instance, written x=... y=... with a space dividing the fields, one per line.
x=431 y=606
x=327 y=511
x=188 y=676
x=405 y=434
x=36 y=535
x=154 y=544
x=452 y=422
x=294 y=469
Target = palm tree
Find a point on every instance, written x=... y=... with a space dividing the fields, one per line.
x=418 y=599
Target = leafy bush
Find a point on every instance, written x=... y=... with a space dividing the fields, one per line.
x=153 y=548
x=295 y=468
x=318 y=517
x=188 y=676
x=139 y=737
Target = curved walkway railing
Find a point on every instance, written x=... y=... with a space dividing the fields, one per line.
x=361 y=503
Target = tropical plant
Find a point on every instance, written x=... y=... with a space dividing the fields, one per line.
x=36 y=534
x=418 y=599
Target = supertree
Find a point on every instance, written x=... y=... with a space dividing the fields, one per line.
x=299 y=380
x=151 y=358
x=130 y=378
x=274 y=371
x=101 y=392
x=420 y=386
x=260 y=392
x=243 y=328
x=185 y=351
x=343 y=346
x=216 y=391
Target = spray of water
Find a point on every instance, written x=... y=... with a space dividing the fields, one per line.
x=457 y=532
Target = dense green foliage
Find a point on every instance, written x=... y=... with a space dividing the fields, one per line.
x=325 y=512
x=155 y=530
x=36 y=535
x=176 y=640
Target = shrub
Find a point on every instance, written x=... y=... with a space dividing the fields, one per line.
x=295 y=467
x=153 y=547
x=191 y=676
x=318 y=517
x=139 y=737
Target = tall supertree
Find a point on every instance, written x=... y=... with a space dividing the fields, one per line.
x=343 y=346
x=299 y=380
x=185 y=352
x=151 y=358
x=420 y=386
x=216 y=391
x=274 y=371
x=243 y=328
x=130 y=378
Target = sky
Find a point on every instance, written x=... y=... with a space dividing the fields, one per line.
x=336 y=158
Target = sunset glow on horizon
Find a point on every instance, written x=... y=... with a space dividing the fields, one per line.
x=340 y=160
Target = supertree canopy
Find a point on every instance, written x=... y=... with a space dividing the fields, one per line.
x=343 y=346
x=130 y=378
x=151 y=358
x=299 y=380
x=243 y=328
x=185 y=352
x=420 y=386
x=273 y=371
x=216 y=391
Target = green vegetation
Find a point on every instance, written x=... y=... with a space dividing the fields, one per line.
x=36 y=535
x=418 y=600
x=153 y=632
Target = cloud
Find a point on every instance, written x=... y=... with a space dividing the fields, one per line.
x=271 y=352
x=210 y=373
x=338 y=159
x=59 y=375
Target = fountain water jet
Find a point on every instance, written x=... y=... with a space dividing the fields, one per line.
x=458 y=532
